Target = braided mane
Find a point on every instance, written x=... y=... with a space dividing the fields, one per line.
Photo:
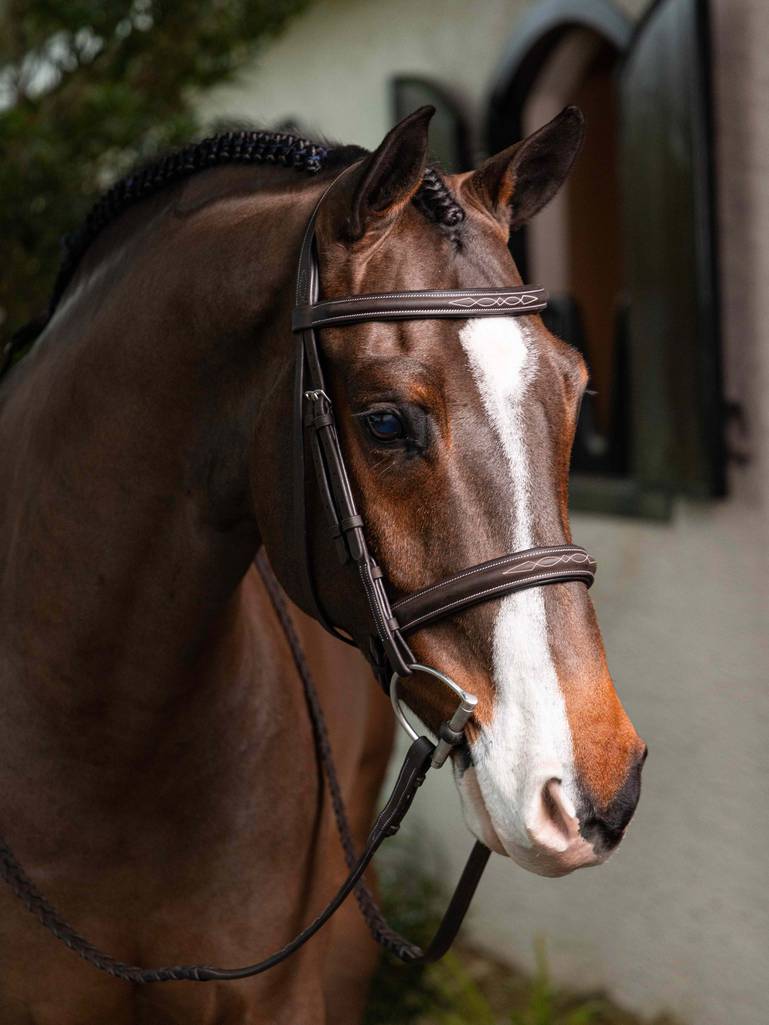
x=433 y=198
x=246 y=147
x=241 y=147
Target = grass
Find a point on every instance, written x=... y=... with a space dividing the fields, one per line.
x=466 y=987
x=546 y=1006
x=440 y=994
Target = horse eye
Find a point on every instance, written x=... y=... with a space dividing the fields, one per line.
x=385 y=426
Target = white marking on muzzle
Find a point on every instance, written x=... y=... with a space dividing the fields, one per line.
x=528 y=740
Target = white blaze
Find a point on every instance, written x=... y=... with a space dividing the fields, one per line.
x=528 y=740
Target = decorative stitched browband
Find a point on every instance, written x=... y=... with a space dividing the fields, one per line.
x=485 y=302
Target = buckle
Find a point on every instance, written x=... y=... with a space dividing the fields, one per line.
x=318 y=406
x=450 y=732
x=317 y=395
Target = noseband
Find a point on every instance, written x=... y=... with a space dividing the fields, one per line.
x=386 y=646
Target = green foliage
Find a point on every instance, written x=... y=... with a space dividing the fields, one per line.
x=544 y=1001
x=441 y=994
x=87 y=89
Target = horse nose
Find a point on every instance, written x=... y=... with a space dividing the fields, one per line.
x=605 y=828
x=552 y=821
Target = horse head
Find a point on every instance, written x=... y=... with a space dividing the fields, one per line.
x=457 y=435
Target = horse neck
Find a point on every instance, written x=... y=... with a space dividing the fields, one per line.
x=127 y=526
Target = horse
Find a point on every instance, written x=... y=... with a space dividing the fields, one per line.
x=160 y=778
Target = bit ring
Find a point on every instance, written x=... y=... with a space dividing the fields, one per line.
x=456 y=724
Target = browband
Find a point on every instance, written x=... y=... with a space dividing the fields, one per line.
x=471 y=302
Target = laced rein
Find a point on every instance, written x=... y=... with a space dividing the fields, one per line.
x=437 y=204
x=388 y=648
x=19 y=882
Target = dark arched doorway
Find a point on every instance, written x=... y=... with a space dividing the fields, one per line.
x=569 y=52
x=628 y=250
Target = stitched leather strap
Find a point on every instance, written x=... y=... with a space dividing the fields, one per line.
x=306 y=291
x=531 y=568
x=314 y=429
x=471 y=302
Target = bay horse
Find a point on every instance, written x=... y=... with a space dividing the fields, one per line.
x=159 y=776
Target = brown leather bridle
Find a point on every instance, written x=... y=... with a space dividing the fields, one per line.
x=315 y=430
x=386 y=646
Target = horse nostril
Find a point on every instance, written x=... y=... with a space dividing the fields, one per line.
x=558 y=806
x=554 y=822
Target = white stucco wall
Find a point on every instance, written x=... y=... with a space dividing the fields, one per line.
x=680 y=918
x=332 y=67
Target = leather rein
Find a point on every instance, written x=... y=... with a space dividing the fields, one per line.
x=387 y=650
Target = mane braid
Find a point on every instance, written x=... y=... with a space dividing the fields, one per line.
x=436 y=201
x=433 y=198
x=243 y=147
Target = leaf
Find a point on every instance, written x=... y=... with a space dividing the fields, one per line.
x=87 y=89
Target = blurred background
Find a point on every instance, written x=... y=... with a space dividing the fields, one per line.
x=657 y=256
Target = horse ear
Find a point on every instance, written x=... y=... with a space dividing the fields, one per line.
x=391 y=174
x=516 y=183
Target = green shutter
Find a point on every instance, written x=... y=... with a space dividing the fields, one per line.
x=668 y=203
